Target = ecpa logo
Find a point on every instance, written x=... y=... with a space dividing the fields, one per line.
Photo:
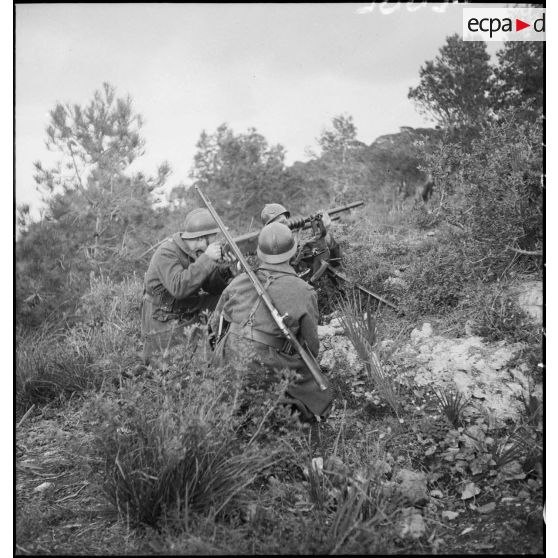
x=504 y=24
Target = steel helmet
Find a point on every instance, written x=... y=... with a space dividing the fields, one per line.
x=276 y=243
x=199 y=222
x=271 y=211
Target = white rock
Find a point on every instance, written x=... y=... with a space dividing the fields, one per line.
x=530 y=299
x=412 y=485
x=420 y=334
x=44 y=487
x=328 y=331
x=411 y=525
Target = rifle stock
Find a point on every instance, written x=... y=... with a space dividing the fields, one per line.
x=306 y=356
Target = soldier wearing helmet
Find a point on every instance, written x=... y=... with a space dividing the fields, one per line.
x=182 y=281
x=311 y=251
x=253 y=340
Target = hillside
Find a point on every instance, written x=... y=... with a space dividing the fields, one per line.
x=436 y=449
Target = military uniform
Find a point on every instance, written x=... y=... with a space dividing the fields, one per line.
x=254 y=337
x=178 y=287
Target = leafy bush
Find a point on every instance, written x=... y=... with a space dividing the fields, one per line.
x=436 y=276
x=494 y=190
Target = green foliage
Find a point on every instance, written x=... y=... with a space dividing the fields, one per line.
x=180 y=443
x=97 y=214
x=453 y=87
x=501 y=318
x=48 y=368
x=452 y=405
x=437 y=275
x=494 y=190
x=340 y=159
x=240 y=172
x=361 y=328
x=519 y=77
x=55 y=362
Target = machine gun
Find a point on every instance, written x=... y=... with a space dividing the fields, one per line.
x=248 y=242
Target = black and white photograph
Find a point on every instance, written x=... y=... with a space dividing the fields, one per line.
x=279 y=279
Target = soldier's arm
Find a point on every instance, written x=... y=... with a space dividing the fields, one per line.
x=179 y=281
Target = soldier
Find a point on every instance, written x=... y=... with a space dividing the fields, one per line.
x=311 y=251
x=254 y=337
x=182 y=281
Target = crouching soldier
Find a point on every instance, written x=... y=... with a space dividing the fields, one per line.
x=254 y=339
x=182 y=281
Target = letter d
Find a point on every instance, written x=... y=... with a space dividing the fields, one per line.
x=539 y=28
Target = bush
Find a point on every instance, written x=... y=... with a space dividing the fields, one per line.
x=437 y=276
x=104 y=343
x=185 y=442
x=494 y=190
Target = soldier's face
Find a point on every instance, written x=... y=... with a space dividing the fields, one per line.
x=281 y=219
x=199 y=245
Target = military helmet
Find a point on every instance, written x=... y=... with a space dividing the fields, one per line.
x=271 y=211
x=199 y=222
x=276 y=243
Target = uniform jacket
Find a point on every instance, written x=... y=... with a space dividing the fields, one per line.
x=292 y=296
x=172 y=289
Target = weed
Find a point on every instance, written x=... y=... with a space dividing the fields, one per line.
x=452 y=404
x=361 y=328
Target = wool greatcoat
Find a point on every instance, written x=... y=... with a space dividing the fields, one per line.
x=244 y=310
x=178 y=287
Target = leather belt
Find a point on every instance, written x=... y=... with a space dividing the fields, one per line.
x=248 y=332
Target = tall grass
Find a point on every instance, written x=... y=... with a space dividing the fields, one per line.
x=174 y=444
x=52 y=362
x=360 y=327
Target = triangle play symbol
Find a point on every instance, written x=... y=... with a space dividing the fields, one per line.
x=519 y=25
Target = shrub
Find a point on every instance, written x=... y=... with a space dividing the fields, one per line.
x=47 y=367
x=494 y=190
x=436 y=276
x=182 y=443
x=54 y=362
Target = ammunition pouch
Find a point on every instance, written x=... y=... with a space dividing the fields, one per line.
x=166 y=307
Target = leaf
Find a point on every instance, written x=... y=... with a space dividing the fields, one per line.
x=449 y=515
x=470 y=491
x=487 y=508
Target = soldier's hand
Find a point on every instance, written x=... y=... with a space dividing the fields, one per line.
x=213 y=251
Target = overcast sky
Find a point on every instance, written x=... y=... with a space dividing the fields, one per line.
x=285 y=69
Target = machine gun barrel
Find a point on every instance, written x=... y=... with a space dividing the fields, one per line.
x=300 y=222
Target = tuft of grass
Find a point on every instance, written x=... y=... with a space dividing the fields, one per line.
x=360 y=327
x=452 y=404
x=174 y=444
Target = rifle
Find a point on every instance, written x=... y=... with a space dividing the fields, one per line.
x=306 y=356
x=248 y=242
x=326 y=266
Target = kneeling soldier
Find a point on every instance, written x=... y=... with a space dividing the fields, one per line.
x=182 y=281
x=252 y=333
